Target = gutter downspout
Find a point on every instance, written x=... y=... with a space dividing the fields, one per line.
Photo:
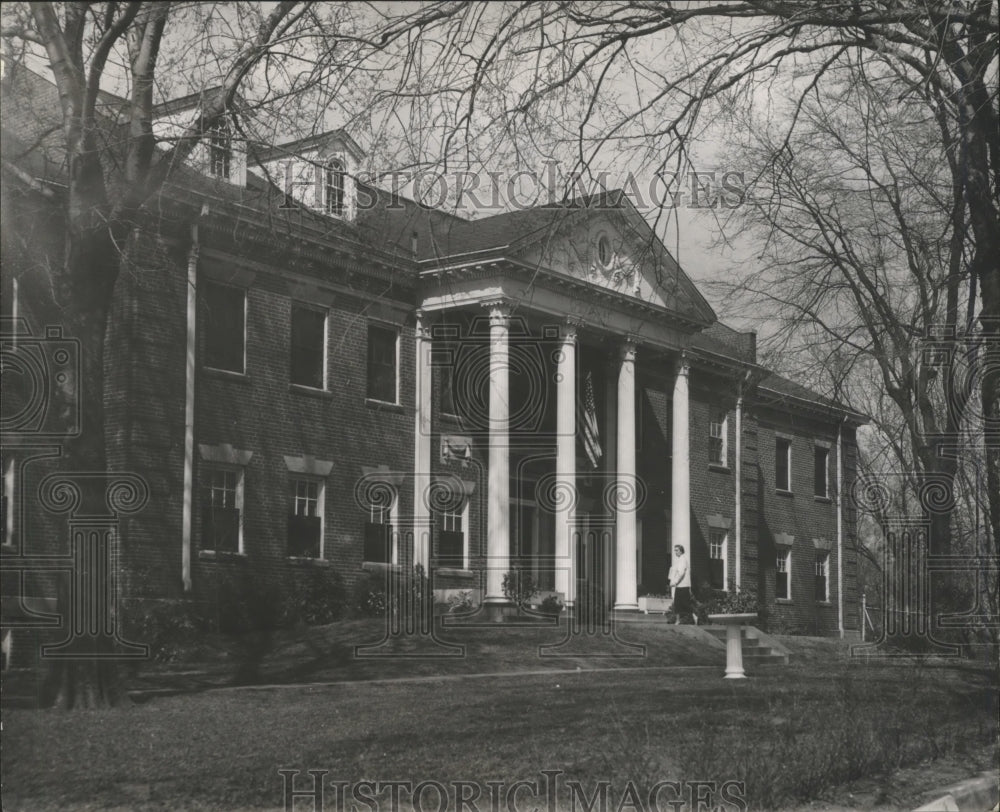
x=738 y=465
x=189 y=381
x=840 y=529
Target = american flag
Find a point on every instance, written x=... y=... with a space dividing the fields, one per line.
x=587 y=418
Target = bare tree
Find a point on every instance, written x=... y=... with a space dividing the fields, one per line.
x=638 y=79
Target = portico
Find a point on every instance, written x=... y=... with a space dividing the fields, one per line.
x=550 y=325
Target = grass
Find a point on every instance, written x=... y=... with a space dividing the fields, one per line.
x=331 y=653
x=791 y=733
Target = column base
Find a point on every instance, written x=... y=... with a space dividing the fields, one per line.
x=626 y=607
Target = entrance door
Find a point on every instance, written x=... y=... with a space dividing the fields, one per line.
x=595 y=563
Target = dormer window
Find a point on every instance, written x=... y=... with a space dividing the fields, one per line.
x=333 y=188
x=220 y=150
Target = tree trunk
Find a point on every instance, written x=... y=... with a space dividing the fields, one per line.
x=86 y=675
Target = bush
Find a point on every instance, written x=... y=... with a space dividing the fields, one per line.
x=461 y=602
x=731 y=603
x=406 y=590
x=519 y=587
x=551 y=606
x=169 y=627
x=319 y=598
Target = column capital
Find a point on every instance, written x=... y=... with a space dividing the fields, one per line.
x=683 y=364
x=422 y=324
x=499 y=309
x=569 y=330
x=628 y=349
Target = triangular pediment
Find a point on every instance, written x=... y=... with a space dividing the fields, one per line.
x=610 y=245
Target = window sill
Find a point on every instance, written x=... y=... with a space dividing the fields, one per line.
x=722 y=469
x=227 y=375
x=781 y=492
x=378 y=566
x=310 y=391
x=221 y=555
x=825 y=500
x=452 y=572
x=384 y=406
x=307 y=561
x=783 y=601
x=824 y=603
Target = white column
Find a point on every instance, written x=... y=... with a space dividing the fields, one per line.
x=422 y=443
x=498 y=505
x=680 y=491
x=566 y=463
x=187 y=507
x=627 y=484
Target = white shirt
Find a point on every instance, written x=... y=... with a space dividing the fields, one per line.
x=680 y=573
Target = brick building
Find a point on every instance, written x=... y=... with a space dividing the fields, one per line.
x=309 y=372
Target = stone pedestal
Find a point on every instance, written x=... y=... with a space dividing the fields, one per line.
x=734 y=642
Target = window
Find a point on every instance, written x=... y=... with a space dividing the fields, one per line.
x=305 y=518
x=9 y=492
x=379 y=543
x=823 y=577
x=222 y=510
x=717 y=558
x=308 y=365
x=225 y=327
x=604 y=254
x=451 y=540
x=333 y=188
x=717 y=436
x=821 y=467
x=382 y=356
x=220 y=150
x=782 y=464
x=782 y=580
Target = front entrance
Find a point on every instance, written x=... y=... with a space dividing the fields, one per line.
x=532 y=542
x=595 y=561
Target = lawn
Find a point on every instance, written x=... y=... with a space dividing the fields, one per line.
x=790 y=733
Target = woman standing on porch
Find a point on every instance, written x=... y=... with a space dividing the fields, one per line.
x=680 y=583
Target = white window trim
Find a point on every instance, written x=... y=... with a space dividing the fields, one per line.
x=390 y=516
x=326 y=343
x=787 y=556
x=239 y=470
x=327 y=170
x=221 y=133
x=463 y=517
x=320 y=510
x=825 y=558
x=725 y=553
x=724 y=462
x=245 y=318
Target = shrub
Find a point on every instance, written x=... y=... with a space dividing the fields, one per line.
x=731 y=603
x=319 y=598
x=401 y=590
x=169 y=627
x=551 y=606
x=519 y=587
x=461 y=602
